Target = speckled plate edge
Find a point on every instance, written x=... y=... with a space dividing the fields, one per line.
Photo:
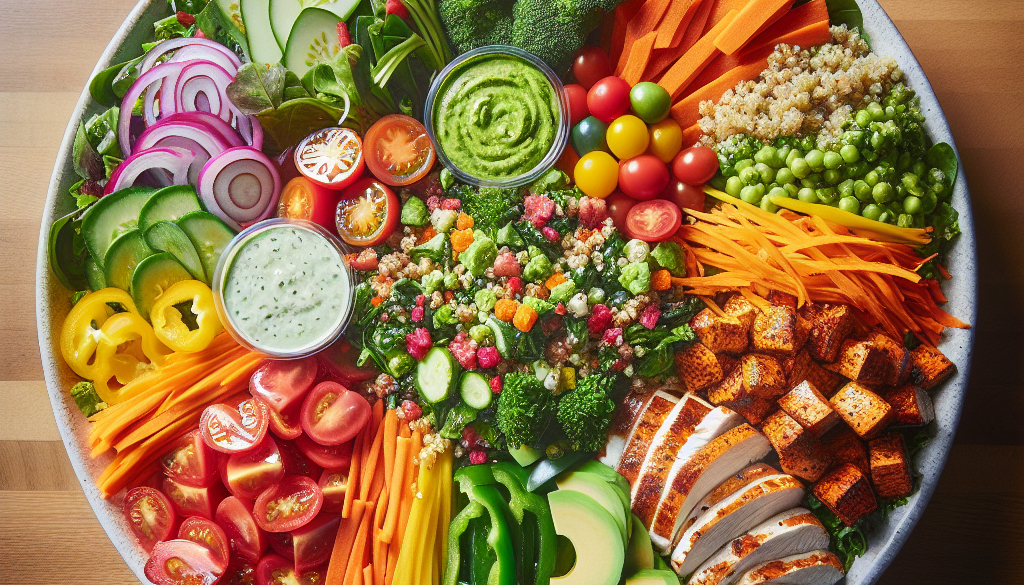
x=52 y=302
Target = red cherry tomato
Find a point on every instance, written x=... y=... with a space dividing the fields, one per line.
x=643 y=177
x=332 y=414
x=240 y=572
x=608 y=98
x=332 y=484
x=209 y=534
x=312 y=544
x=190 y=501
x=653 y=221
x=247 y=540
x=247 y=474
x=277 y=570
x=288 y=505
x=235 y=430
x=281 y=543
x=283 y=383
x=332 y=157
x=327 y=457
x=285 y=425
x=182 y=562
x=191 y=461
x=576 y=95
x=340 y=358
x=398 y=150
x=684 y=195
x=367 y=213
x=591 y=65
x=296 y=462
x=695 y=165
x=304 y=199
x=150 y=516
x=619 y=205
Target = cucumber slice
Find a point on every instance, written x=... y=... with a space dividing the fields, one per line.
x=475 y=390
x=209 y=236
x=313 y=39
x=283 y=14
x=504 y=336
x=152 y=277
x=230 y=9
x=436 y=375
x=112 y=216
x=263 y=47
x=168 y=204
x=166 y=236
x=127 y=252
x=94 y=274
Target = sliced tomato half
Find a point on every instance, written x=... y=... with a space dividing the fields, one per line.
x=337 y=457
x=192 y=501
x=247 y=474
x=332 y=414
x=182 y=562
x=332 y=157
x=296 y=462
x=235 y=429
x=304 y=199
x=247 y=540
x=313 y=542
x=277 y=570
x=282 y=383
x=398 y=150
x=191 y=461
x=653 y=221
x=209 y=534
x=288 y=505
x=367 y=213
x=333 y=484
x=150 y=516
x=240 y=572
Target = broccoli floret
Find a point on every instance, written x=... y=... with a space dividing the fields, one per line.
x=85 y=397
x=474 y=23
x=585 y=412
x=490 y=208
x=525 y=408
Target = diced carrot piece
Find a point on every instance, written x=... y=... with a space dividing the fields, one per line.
x=746 y=24
x=691 y=134
x=505 y=309
x=639 y=54
x=525 y=318
x=428 y=232
x=696 y=59
x=685 y=111
x=461 y=239
x=464 y=221
x=555 y=280
x=661 y=280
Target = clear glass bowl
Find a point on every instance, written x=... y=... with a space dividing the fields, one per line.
x=466 y=59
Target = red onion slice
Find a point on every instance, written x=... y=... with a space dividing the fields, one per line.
x=214 y=123
x=169 y=166
x=198 y=138
x=240 y=186
x=201 y=87
x=198 y=48
x=199 y=52
x=149 y=82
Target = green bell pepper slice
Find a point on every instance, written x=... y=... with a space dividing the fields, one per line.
x=503 y=572
x=461 y=525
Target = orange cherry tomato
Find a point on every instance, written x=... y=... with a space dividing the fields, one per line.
x=367 y=213
x=304 y=199
x=332 y=157
x=398 y=150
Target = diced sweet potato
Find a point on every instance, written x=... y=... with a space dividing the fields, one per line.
x=781 y=299
x=802 y=332
x=929 y=366
x=866 y=412
x=801 y=367
x=721 y=334
x=774 y=330
x=847 y=492
x=862 y=361
x=912 y=404
x=809 y=408
x=742 y=309
x=698 y=367
x=762 y=375
x=890 y=468
x=800 y=453
x=727 y=362
x=731 y=394
x=828 y=331
x=844 y=446
x=897 y=356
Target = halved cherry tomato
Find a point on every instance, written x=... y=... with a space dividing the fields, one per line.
x=150 y=516
x=290 y=504
x=643 y=177
x=333 y=484
x=182 y=562
x=235 y=430
x=209 y=534
x=332 y=414
x=192 y=501
x=281 y=543
x=591 y=65
x=304 y=199
x=240 y=572
x=367 y=213
x=340 y=360
x=283 y=383
x=296 y=462
x=191 y=461
x=332 y=157
x=619 y=205
x=337 y=457
x=653 y=221
x=247 y=540
x=286 y=425
x=398 y=150
x=695 y=165
x=684 y=195
x=313 y=542
x=576 y=95
x=247 y=474
x=277 y=570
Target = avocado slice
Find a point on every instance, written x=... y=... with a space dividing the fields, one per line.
x=653 y=577
x=606 y=473
x=525 y=454
x=603 y=493
x=639 y=551
x=152 y=277
x=593 y=534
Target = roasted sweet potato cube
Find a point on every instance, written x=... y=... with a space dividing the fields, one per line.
x=809 y=408
x=774 y=330
x=890 y=467
x=727 y=362
x=756 y=410
x=866 y=412
x=698 y=367
x=762 y=375
x=742 y=309
x=862 y=361
x=912 y=404
x=929 y=366
x=844 y=446
x=897 y=356
x=800 y=453
x=731 y=394
x=721 y=334
x=847 y=492
x=829 y=329
x=801 y=367
x=781 y=299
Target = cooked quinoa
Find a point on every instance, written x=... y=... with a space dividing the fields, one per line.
x=803 y=91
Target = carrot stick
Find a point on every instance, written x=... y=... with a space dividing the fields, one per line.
x=696 y=59
x=623 y=14
x=353 y=476
x=685 y=39
x=408 y=496
x=678 y=15
x=368 y=574
x=747 y=23
x=639 y=54
x=353 y=572
x=685 y=111
x=368 y=466
x=343 y=544
x=396 y=494
x=720 y=9
x=646 y=19
x=390 y=443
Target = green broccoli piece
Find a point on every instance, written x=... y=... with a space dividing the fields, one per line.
x=490 y=208
x=84 y=394
x=474 y=23
x=585 y=412
x=525 y=409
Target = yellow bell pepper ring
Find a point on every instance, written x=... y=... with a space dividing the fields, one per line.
x=127 y=349
x=167 y=319
x=80 y=333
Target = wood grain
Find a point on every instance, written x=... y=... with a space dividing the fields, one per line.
x=973 y=530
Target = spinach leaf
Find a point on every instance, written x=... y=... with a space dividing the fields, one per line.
x=942 y=157
x=846 y=12
x=294 y=120
x=125 y=78
x=67 y=259
x=847 y=542
x=87 y=162
x=257 y=88
x=101 y=85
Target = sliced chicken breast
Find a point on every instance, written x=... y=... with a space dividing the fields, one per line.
x=694 y=476
x=727 y=488
x=627 y=416
x=639 y=441
x=792 y=532
x=819 y=567
x=755 y=503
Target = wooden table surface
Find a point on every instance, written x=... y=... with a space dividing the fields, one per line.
x=973 y=530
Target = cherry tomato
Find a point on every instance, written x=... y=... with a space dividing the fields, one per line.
x=296 y=462
x=288 y=505
x=367 y=213
x=576 y=95
x=332 y=414
x=191 y=461
x=304 y=199
x=608 y=98
x=643 y=177
x=285 y=425
x=398 y=150
x=150 y=516
x=619 y=205
x=340 y=358
x=277 y=570
x=182 y=562
x=283 y=383
x=650 y=101
x=695 y=165
x=684 y=195
x=653 y=221
x=627 y=137
x=247 y=540
x=281 y=543
x=332 y=157
x=332 y=484
x=666 y=140
x=589 y=135
x=247 y=474
x=596 y=174
x=209 y=534
x=234 y=430
x=240 y=572
x=312 y=544
x=326 y=457
x=591 y=65
x=190 y=501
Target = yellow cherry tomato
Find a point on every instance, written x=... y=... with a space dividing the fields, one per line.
x=627 y=137
x=597 y=174
x=666 y=140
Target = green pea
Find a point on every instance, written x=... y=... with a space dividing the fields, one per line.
x=766 y=155
x=826 y=194
x=849 y=153
x=912 y=184
x=904 y=161
x=936 y=177
x=872 y=178
x=766 y=172
x=912 y=205
x=832 y=177
x=718 y=182
x=878 y=140
x=886 y=217
x=816 y=160
x=846 y=188
x=807 y=195
x=800 y=168
x=833 y=160
x=861 y=190
x=792 y=156
x=767 y=205
x=876 y=112
x=750 y=176
x=849 y=204
x=807 y=143
x=928 y=201
x=919 y=168
x=781 y=154
x=733 y=186
x=784 y=176
x=791 y=189
x=815 y=178
x=862 y=118
x=883 y=193
x=740 y=165
x=752 y=194
x=869 y=155
x=777 y=192
x=871 y=211
x=905 y=220
x=808 y=183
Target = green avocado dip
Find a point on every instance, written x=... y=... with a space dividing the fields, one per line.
x=287 y=291
x=497 y=117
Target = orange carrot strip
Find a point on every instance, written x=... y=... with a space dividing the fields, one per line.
x=678 y=15
x=685 y=111
x=646 y=19
x=344 y=542
x=353 y=476
x=685 y=39
x=368 y=574
x=354 y=569
x=689 y=65
x=390 y=444
x=747 y=23
x=369 y=463
x=623 y=14
x=638 y=57
x=397 y=483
